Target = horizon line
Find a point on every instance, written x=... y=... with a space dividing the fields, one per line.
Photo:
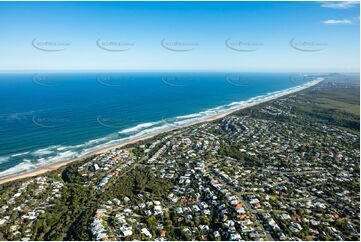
x=156 y=71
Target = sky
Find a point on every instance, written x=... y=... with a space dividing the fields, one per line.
x=180 y=36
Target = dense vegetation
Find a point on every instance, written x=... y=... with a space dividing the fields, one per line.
x=70 y=217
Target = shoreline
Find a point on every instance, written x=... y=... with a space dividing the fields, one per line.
x=60 y=164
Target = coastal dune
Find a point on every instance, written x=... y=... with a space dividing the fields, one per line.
x=234 y=107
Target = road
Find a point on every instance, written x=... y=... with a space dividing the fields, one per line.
x=253 y=212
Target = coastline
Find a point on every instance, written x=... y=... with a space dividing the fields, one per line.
x=60 y=164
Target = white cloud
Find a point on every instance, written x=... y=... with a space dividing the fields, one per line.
x=337 y=21
x=339 y=5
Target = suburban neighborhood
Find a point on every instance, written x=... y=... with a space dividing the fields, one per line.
x=270 y=172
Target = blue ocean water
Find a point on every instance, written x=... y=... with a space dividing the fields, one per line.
x=49 y=117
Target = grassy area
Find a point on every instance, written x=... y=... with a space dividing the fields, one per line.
x=340 y=99
x=339 y=105
x=336 y=106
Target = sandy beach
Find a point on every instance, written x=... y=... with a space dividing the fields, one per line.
x=57 y=165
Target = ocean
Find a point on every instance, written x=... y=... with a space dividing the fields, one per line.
x=50 y=117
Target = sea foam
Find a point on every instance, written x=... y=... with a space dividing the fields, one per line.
x=58 y=153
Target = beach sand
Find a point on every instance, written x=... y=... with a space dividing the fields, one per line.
x=57 y=165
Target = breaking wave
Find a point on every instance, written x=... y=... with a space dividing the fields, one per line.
x=57 y=153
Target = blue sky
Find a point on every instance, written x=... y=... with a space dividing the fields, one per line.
x=180 y=36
